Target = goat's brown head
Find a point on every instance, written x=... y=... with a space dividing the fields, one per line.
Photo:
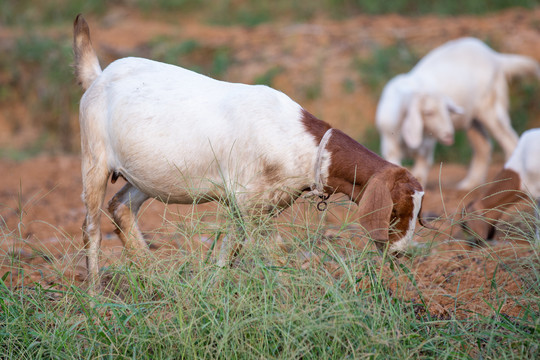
x=389 y=207
x=389 y=197
x=481 y=215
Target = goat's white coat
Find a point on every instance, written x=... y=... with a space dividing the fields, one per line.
x=525 y=161
x=183 y=137
x=453 y=85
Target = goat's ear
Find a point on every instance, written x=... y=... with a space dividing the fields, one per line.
x=375 y=209
x=413 y=126
x=453 y=108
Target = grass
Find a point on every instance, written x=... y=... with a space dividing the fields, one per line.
x=339 y=302
x=384 y=64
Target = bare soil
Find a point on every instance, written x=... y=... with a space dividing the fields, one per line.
x=42 y=212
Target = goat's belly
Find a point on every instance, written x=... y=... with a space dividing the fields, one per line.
x=173 y=186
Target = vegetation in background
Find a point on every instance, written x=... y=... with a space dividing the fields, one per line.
x=385 y=63
x=246 y=12
x=192 y=55
x=38 y=71
x=267 y=78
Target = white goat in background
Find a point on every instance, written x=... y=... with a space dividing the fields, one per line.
x=185 y=138
x=462 y=84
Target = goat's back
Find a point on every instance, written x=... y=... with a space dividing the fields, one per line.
x=525 y=161
x=463 y=69
x=164 y=127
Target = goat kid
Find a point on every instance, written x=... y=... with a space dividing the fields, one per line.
x=518 y=180
x=185 y=138
x=459 y=85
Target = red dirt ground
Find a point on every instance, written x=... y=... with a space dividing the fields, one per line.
x=41 y=209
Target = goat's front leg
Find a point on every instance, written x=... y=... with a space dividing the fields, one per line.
x=423 y=160
x=391 y=149
x=537 y=221
x=124 y=207
x=95 y=179
x=479 y=140
x=230 y=248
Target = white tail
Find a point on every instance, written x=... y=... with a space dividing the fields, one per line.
x=518 y=65
x=87 y=67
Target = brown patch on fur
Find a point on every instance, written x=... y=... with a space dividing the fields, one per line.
x=314 y=126
x=383 y=189
x=271 y=172
x=504 y=191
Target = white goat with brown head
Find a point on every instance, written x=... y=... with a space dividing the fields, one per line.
x=518 y=180
x=182 y=137
x=462 y=84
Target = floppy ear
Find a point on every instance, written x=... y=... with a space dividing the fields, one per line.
x=375 y=209
x=452 y=107
x=413 y=126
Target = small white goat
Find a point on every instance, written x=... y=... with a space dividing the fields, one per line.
x=459 y=85
x=519 y=179
x=182 y=137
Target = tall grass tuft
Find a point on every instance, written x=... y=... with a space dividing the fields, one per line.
x=318 y=298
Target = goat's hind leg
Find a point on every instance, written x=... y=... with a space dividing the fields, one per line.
x=95 y=179
x=478 y=168
x=123 y=208
x=232 y=243
x=537 y=221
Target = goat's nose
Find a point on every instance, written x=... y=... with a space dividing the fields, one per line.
x=448 y=139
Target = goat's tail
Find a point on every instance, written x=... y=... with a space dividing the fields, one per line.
x=86 y=65
x=519 y=65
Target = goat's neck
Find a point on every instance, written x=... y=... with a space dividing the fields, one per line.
x=351 y=163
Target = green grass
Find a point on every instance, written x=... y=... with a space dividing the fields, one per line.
x=212 y=61
x=385 y=63
x=184 y=306
x=267 y=78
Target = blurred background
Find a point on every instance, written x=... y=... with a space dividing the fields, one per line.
x=331 y=56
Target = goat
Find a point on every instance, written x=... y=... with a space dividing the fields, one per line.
x=184 y=138
x=459 y=85
x=518 y=180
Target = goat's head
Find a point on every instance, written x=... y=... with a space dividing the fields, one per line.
x=390 y=206
x=475 y=223
x=481 y=214
x=429 y=114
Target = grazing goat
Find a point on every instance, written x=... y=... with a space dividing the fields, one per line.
x=184 y=138
x=518 y=180
x=459 y=85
